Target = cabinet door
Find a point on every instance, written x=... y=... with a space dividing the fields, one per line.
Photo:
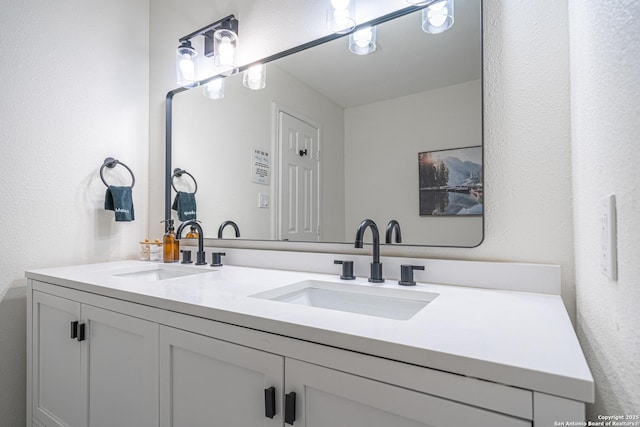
x=208 y=382
x=56 y=383
x=119 y=369
x=325 y=397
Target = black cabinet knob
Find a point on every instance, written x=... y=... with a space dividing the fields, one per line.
x=406 y=274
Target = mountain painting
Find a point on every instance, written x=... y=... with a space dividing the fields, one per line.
x=451 y=182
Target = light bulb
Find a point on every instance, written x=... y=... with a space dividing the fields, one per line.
x=438 y=5
x=214 y=89
x=187 y=68
x=363 y=37
x=340 y=16
x=438 y=16
x=215 y=84
x=340 y=4
x=342 y=19
x=363 y=41
x=186 y=65
x=255 y=77
x=225 y=42
x=226 y=52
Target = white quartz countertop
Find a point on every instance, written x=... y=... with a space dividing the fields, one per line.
x=515 y=338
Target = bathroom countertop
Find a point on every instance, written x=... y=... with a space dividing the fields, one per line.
x=514 y=338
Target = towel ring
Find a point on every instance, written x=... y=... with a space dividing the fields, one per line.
x=111 y=163
x=177 y=172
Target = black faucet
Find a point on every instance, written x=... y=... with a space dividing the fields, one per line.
x=200 y=256
x=393 y=225
x=224 y=224
x=376 y=265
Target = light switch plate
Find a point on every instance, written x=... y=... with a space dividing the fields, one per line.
x=263 y=200
x=608 y=256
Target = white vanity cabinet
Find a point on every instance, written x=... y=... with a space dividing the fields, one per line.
x=152 y=363
x=91 y=367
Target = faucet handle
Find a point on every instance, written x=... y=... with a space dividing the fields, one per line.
x=186 y=256
x=216 y=259
x=347 y=269
x=406 y=274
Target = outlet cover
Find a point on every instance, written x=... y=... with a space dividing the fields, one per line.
x=608 y=255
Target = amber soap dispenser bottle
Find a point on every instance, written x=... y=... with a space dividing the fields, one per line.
x=170 y=245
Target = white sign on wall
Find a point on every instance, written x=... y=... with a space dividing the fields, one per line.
x=260 y=166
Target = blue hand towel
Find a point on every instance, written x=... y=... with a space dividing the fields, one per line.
x=119 y=200
x=185 y=205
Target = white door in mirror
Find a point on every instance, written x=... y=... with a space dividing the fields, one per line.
x=298 y=180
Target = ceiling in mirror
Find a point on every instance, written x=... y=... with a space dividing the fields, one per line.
x=406 y=61
x=335 y=138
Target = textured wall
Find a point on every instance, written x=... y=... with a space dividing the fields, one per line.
x=75 y=90
x=527 y=124
x=605 y=66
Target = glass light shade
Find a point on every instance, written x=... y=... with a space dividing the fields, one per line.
x=363 y=41
x=225 y=43
x=186 y=65
x=255 y=77
x=341 y=16
x=438 y=17
x=214 y=89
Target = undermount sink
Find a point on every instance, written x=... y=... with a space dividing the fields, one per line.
x=389 y=303
x=160 y=272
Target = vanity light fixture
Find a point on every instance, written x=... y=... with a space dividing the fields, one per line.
x=220 y=42
x=255 y=77
x=214 y=89
x=341 y=16
x=437 y=17
x=186 y=57
x=363 y=41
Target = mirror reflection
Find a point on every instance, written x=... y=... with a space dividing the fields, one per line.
x=336 y=137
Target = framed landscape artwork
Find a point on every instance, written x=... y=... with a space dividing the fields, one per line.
x=450 y=182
